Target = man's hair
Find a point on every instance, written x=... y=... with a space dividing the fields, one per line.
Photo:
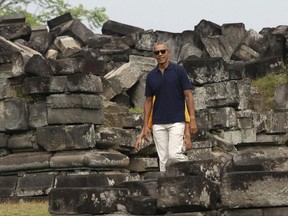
x=160 y=43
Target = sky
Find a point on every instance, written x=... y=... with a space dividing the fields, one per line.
x=179 y=15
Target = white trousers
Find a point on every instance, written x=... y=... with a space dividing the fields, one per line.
x=168 y=139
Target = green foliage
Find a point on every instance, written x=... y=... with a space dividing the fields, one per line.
x=29 y=98
x=136 y=110
x=48 y=9
x=267 y=85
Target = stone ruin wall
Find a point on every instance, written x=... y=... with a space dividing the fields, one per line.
x=66 y=94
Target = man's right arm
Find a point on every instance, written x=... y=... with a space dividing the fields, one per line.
x=147 y=111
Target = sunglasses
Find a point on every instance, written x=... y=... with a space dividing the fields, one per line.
x=160 y=51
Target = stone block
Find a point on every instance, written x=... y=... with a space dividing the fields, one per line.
x=111 y=27
x=281 y=97
x=206 y=70
x=222 y=117
x=4 y=140
x=56 y=138
x=13 y=115
x=207 y=28
x=38 y=66
x=37 y=115
x=84 y=64
x=32 y=185
x=94 y=200
x=11 y=62
x=7 y=90
x=234 y=32
x=17 y=162
x=252 y=189
x=93 y=159
x=218 y=46
x=80 y=32
x=143 y=164
x=8 y=185
x=75 y=116
x=21 y=141
x=117 y=138
x=59 y=20
x=186 y=193
x=141 y=205
x=87 y=83
x=15 y=31
x=210 y=169
x=276 y=122
x=60 y=101
x=67 y=45
x=93 y=180
x=263 y=66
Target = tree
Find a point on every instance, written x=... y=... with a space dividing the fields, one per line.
x=45 y=10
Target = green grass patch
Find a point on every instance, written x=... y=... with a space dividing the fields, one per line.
x=35 y=208
x=136 y=110
x=267 y=85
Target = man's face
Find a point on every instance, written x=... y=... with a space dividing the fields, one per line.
x=161 y=53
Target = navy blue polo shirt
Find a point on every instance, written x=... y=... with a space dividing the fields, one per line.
x=168 y=88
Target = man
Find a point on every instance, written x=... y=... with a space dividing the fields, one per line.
x=170 y=85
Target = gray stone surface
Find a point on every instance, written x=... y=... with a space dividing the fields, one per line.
x=69 y=137
x=254 y=189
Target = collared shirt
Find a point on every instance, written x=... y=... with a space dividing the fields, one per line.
x=168 y=88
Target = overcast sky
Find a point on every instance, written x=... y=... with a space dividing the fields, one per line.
x=179 y=15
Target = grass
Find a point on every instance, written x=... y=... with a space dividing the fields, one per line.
x=267 y=85
x=22 y=208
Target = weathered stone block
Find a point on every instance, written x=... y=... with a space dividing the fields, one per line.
x=37 y=114
x=11 y=63
x=67 y=45
x=218 y=46
x=111 y=27
x=114 y=137
x=24 y=161
x=8 y=185
x=206 y=28
x=59 y=20
x=206 y=70
x=13 y=115
x=7 y=90
x=234 y=32
x=222 y=118
x=85 y=200
x=38 y=66
x=38 y=184
x=21 y=141
x=56 y=138
x=3 y=140
x=143 y=164
x=59 y=101
x=93 y=180
x=60 y=84
x=217 y=95
x=276 y=122
x=15 y=31
x=254 y=189
x=263 y=66
x=186 y=193
x=281 y=97
x=75 y=116
x=96 y=160
x=141 y=205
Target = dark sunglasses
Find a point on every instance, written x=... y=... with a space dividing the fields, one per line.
x=160 y=51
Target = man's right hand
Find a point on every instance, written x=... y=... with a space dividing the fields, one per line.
x=147 y=134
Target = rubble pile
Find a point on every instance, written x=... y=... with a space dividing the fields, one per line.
x=68 y=122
